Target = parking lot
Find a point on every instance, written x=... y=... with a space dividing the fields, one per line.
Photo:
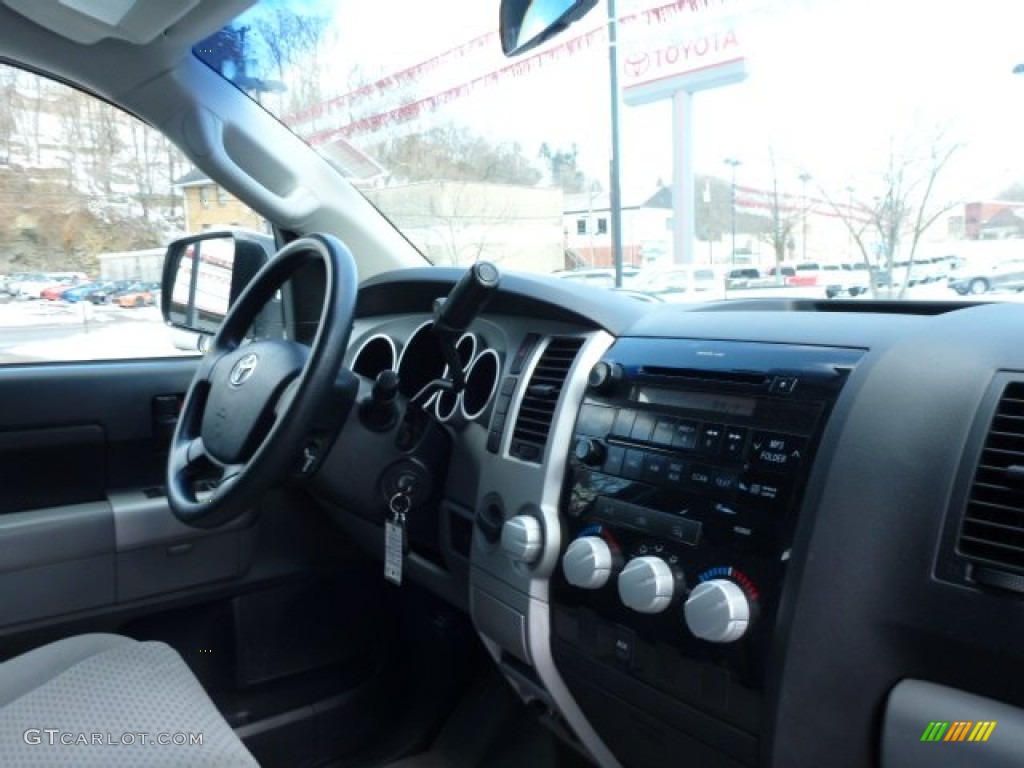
x=37 y=330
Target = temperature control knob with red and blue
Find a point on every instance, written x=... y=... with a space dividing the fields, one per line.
x=720 y=610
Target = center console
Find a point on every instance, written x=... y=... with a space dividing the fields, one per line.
x=687 y=471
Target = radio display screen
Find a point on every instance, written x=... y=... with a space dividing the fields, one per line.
x=702 y=401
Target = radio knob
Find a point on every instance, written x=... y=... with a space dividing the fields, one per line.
x=604 y=377
x=522 y=538
x=589 y=451
x=646 y=584
x=588 y=562
x=717 y=611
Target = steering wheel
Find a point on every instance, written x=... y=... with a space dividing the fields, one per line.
x=252 y=407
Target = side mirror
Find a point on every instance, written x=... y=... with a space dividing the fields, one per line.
x=204 y=274
x=525 y=24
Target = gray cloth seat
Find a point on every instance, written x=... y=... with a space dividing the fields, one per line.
x=107 y=700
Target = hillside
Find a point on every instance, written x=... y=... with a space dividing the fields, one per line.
x=78 y=178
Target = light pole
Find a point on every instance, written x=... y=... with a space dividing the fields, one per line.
x=804 y=178
x=732 y=162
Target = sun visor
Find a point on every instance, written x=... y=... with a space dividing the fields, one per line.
x=89 y=21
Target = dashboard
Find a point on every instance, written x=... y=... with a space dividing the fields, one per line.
x=734 y=534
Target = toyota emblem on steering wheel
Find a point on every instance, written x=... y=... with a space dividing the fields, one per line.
x=243 y=370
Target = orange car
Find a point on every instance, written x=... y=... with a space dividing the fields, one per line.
x=138 y=298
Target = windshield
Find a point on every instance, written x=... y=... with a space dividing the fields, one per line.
x=830 y=148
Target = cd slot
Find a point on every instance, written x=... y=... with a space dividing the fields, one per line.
x=693 y=374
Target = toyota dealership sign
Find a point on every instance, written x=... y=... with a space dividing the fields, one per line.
x=691 y=45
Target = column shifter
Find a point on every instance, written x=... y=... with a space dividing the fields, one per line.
x=452 y=315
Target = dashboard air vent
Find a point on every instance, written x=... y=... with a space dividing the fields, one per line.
x=542 y=391
x=992 y=532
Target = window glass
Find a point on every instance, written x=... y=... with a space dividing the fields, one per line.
x=89 y=199
x=867 y=132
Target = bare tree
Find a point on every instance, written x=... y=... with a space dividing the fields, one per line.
x=784 y=218
x=894 y=220
x=466 y=222
x=454 y=153
x=142 y=165
x=9 y=112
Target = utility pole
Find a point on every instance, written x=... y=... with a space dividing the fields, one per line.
x=615 y=193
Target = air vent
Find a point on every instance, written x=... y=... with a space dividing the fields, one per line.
x=992 y=533
x=542 y=392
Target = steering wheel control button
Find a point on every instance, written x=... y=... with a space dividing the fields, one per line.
x=522 y=539
x=588 y=562
x=717 y=611
x=646 y=584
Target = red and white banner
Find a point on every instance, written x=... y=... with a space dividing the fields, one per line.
x=332 y=118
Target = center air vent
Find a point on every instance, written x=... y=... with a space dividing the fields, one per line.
x=992 y=532
x=542 y=392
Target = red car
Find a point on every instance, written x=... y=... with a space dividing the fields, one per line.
x=53 y=293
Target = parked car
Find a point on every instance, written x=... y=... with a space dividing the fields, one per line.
x=795 y=274
x=703 y=282
x=601 y=277
x=107 y=292
x=1001 y=276
x=741 y=277
x=31 y=286
x=141 y=296
x=843 y=280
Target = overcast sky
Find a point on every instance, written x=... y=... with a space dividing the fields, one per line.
x=830 y=83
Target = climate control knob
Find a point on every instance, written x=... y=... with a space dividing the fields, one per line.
x=647 y=584
x=588 y=562
x=522 y=538
x=717 y=611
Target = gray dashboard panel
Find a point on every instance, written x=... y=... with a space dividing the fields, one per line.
x=860 y=585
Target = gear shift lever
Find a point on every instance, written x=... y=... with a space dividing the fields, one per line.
x=452 y=315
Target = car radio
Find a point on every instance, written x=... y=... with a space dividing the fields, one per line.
x=687 y=470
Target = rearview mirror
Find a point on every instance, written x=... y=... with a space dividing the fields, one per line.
x=204 y=274
x=525 y=24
